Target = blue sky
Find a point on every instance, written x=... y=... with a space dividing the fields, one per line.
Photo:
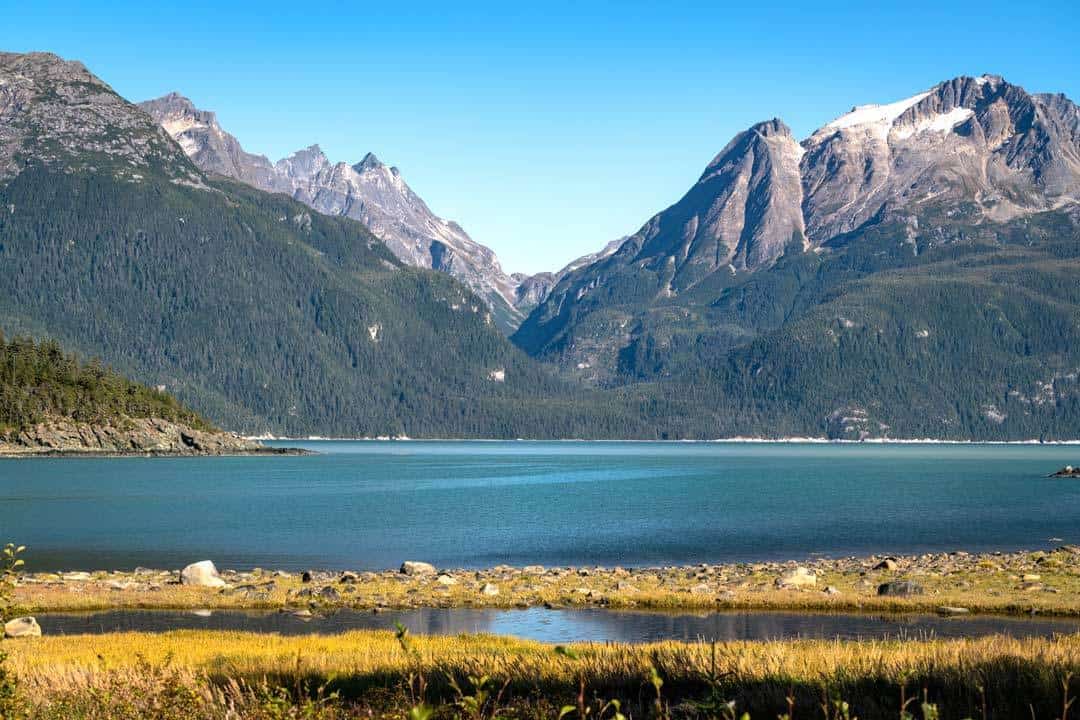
x=545 y=129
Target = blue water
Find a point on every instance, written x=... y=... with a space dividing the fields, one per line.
x=370 y=505
x=577 y=625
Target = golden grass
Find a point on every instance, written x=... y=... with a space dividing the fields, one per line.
x=377 y=653
x=363 y=664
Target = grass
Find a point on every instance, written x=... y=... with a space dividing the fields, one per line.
x=375 y=674
x=991 y=584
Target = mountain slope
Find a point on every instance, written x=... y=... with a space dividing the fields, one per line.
x=913 y=267
x=368 y=191
x=260 y=313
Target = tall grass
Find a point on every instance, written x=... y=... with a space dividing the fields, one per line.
x=361 y=674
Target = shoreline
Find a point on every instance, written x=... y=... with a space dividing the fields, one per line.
x=70 y=453
x=718 y=441
x=994 y=583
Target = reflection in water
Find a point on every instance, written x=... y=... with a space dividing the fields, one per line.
x=568 y=625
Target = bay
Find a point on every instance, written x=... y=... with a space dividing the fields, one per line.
x=371 y=505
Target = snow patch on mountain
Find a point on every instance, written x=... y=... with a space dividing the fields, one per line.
x=875 y=114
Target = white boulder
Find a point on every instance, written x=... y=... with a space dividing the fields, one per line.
x=797 y=578
x=203 y=574
x=413 y=567
x=22 y=627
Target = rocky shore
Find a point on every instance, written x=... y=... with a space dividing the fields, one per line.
x=950 y=583
x=132 y=436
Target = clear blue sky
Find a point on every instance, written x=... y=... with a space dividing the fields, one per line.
x=546 y=129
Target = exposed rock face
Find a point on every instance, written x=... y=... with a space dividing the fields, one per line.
x=978 y=150
x=56 y=113
x=976 y=140
x=208 y=146
x=134 y=436
x=369 y=191
x=742 y=213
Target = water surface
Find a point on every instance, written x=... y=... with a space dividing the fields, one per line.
x=370 y=505
x=555 y=626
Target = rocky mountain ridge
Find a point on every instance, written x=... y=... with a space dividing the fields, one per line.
x=247 y=306
x=980 y=150
x=368 y=191
x=56 y=113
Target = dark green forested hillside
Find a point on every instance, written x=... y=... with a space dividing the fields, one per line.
x=267 y=316
x=38 y=381
x=973 y=335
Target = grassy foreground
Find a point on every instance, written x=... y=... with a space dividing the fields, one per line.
x=195 y=674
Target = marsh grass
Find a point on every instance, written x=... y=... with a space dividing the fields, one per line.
x=362 y=674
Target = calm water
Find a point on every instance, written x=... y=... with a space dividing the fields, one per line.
x=569 y=625
x=373 y=504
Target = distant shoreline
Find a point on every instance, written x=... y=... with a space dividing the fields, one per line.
x=716 y=441
x=54 y=453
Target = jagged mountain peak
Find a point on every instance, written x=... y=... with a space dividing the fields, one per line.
x=742 y=212
x=369 y=161
x=976 y=140
x=770 y=128
x=368 y=191
x=962 y=157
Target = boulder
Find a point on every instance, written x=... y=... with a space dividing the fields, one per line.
x=489 y=590
x=900 y=588
x=415 y=568
x=446 y=580
x=952 y=610
x=203 y=574
x=799 y=577
x=22 y=627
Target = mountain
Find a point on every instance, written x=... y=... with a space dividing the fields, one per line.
x=980 y=141
x=903 y=271
x=368 y=191
x=254 y=310
x=907 y=271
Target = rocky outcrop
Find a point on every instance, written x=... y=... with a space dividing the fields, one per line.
x=132 y=436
